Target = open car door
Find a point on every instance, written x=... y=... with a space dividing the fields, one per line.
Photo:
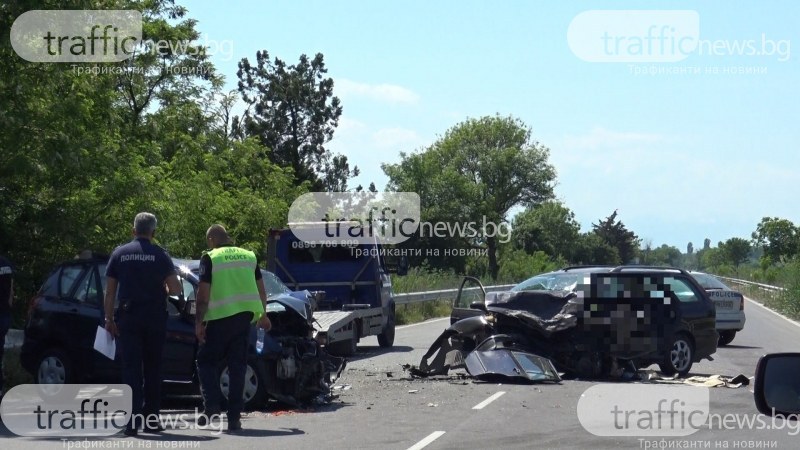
x=471 y=293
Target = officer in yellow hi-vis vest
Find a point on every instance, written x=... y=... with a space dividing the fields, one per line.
x=230 y=297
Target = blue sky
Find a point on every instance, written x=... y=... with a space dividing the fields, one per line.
x=684 y=154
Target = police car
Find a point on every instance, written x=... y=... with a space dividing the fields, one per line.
x=729 y=305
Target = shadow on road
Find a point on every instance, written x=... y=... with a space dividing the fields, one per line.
x=368 y=351
x=268 y=433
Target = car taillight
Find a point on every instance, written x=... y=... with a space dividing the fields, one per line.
x=32 y=304
x=741 y=304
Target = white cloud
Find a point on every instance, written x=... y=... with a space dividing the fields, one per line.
x=401 y=139
x=600 y=137
x=386 y=93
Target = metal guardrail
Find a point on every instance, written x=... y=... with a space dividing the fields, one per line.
x=417 y=297
x=765 y=287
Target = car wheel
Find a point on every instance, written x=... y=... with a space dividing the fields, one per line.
x=254 y=393
x=386 y=338
x=346 y=347
x=53 y=372
x=726 y=336
x=679 y=357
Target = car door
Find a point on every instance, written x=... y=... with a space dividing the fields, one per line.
x=180 y=344
x=471 y=291
x=698 y=314
x=75 y=314
x=88 y=297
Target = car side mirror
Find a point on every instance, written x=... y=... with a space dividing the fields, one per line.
x=478 y=305
x=777 y=385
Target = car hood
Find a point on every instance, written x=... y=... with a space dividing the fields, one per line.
x=291 y=301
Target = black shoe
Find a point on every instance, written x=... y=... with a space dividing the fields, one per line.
x=131 y=432
x=234 y=425
x=155 y=429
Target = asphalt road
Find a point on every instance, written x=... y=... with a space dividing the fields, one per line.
x=380 y=407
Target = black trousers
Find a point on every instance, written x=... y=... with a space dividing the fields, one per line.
x=226 y=339
x=141 y=338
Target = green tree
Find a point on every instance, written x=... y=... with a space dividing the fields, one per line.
x=292 y=111
x=549 y=227
x=615 y=234
x=780 y=238
x=592 y=249
x=475 y=173
x=735 y=251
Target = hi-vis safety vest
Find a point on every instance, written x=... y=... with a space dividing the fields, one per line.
x=233 y=284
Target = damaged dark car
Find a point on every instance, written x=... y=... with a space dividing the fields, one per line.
x=583 y=321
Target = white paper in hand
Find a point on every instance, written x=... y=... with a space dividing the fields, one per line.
x=104 y=343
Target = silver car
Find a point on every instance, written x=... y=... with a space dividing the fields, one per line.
x=729 y=304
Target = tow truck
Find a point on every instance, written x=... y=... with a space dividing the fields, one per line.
x=351 y=283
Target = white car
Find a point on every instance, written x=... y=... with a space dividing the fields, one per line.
x=729 y=305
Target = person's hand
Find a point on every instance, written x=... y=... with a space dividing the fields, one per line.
x=111 y=327
x=264 y=323
x=200 y=332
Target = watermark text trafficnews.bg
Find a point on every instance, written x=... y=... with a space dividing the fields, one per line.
x=98 y=36
x=85 y=410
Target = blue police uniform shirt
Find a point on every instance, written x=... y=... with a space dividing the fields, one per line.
x=140 y=268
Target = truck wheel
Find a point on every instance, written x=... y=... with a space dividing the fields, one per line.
x=678 y=358
x=726 y=336
x=345 y=347
x=386 y=338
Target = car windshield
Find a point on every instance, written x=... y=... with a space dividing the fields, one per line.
x=709 y=282
x=550 y=282
x=273 y=284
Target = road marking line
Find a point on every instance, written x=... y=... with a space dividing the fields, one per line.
x=424 y=443
x=793 y=322
x=494 y=397
x=422 y=323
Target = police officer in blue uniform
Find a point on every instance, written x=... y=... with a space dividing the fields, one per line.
x=140 y=274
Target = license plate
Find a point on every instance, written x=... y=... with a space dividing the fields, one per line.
x=724 y=303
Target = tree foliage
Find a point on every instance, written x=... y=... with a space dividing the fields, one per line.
x=475 y=173
x=81 y=153
x=780 y=238
x=614 y=233
x=735 y=251
x=292 y=111
x=549 y=227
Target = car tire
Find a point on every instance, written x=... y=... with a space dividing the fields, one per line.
x=345 y=347
x=726 y=337
x=54 y=370
x=386 y=338
x=679 y=356
x=255 y=387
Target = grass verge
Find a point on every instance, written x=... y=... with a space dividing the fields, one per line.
x=13 y=372
x=418 y=312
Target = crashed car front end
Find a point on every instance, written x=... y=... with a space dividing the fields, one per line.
x=575 y=334
x=298 y=369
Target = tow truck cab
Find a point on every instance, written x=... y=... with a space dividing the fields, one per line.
x=355 y=278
